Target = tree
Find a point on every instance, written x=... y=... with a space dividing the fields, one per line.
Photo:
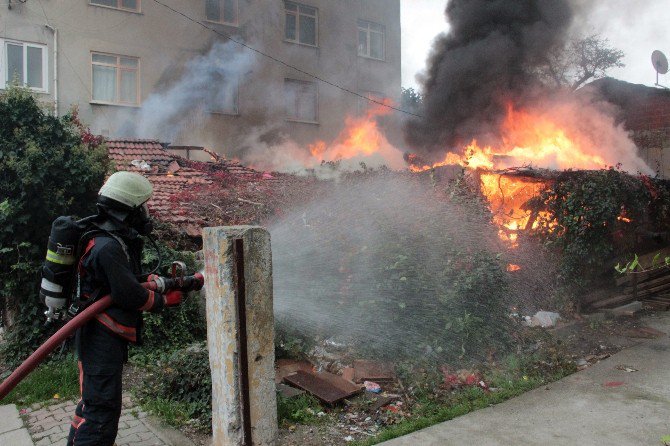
x=49 y=166
x=580 y=61
x=411 y=100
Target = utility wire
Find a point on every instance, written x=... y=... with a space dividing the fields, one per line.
x=282 y=62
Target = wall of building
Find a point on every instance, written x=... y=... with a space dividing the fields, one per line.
x=165 y=43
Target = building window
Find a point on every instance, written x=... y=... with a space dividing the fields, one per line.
x=370 y=40
x=301 y=100
x=126 y=5
x=25 y=64
x=372 y=99
x=302 y=24
x=226 y=97
x=222 y=11
x=116 y=79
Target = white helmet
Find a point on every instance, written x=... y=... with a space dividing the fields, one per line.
x=128 y=188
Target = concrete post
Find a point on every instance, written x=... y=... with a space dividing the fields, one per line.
x=238 y=269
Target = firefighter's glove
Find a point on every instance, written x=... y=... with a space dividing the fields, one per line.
x=173 y=298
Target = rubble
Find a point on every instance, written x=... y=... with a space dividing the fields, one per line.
x=372 y=387
x=544 y=319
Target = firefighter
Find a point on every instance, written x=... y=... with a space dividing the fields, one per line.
x=110 y=265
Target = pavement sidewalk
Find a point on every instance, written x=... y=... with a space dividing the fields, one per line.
x=601 y=405
x=49 y=425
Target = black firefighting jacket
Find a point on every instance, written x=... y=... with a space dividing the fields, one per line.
x=111 y=265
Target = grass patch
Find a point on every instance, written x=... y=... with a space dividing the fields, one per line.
x=430 y=412
x=175 y=413
x=56 y=377
x=302 y=409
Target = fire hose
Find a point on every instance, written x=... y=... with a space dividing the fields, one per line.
x=161 y=284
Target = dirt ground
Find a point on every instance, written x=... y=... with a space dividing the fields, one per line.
x=586 y=340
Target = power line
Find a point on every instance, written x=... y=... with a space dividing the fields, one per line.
x=282 y=62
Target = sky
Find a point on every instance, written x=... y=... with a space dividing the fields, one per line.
x=637 y=27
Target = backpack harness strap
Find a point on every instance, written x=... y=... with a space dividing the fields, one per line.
x=81 y=271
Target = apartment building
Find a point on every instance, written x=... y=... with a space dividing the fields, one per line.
x=108 y=57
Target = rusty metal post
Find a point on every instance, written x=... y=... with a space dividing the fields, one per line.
x=240 y=335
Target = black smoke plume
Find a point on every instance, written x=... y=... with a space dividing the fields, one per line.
x=484 y=63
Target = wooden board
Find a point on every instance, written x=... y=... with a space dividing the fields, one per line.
x=372 y=371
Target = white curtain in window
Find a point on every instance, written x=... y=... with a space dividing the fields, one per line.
x=15 y=63
x=104 y=83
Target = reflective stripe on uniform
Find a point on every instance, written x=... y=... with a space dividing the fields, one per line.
x=54 y=257
x=149 y=304
x=128 y=333
x=50 y=286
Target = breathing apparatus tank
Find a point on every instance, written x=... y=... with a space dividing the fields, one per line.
x=58 y=271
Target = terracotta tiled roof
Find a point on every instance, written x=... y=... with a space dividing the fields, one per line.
x=168 y=177
x=172 y=176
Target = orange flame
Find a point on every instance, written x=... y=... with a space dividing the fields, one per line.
x=527 y=140
x=508 y=197
x=360 y=138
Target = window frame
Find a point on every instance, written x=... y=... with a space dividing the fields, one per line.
x=297 y=15
x=119 y=6
x=118 y=66
x=237 y=103
x=368 y=32
x=316 y=101
x=24 y=46
x=236 y=23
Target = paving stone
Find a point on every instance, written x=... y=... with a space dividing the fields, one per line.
x=47 y=424
x=65 y=416
x=130 y=439
x=40 y=414
x=55 y=438
x=50 y=426
x=146 y=435
x=49 y=432
x=126 y=417
x=152 y=442
x=46 y=441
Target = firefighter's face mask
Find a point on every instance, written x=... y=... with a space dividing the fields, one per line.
x=141 y=221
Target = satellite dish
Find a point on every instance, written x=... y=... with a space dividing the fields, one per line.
x=660 y=62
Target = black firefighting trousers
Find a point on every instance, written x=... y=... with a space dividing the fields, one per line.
x=101 y=358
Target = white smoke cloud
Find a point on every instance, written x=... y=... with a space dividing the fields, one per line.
x=205 y=85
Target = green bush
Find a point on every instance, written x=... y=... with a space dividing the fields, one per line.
x=49 y=166
x=586 y=219
x=179 y=326
x=181 y=377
